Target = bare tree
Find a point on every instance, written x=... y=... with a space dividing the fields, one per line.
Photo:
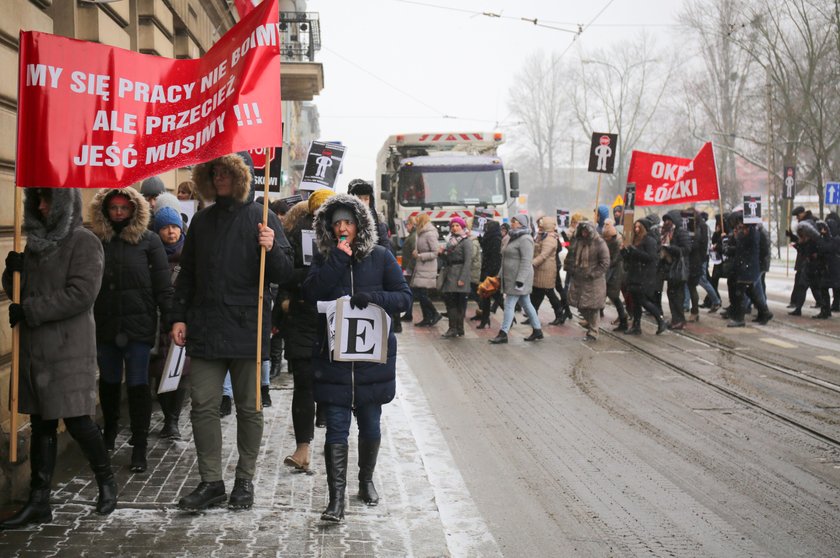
x=538 y=100
x=621 y=90
x=717 y=95
x=796 y=44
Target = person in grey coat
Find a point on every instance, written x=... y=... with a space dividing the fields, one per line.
x=457 y=258
x=518 y=278
x=61 y=270
x=425 y=269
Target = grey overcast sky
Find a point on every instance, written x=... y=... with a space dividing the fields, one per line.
x=400 y=66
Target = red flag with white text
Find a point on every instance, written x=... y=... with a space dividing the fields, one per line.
x=666 y=180
x=92 y=116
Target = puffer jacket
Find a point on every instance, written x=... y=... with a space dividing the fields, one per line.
x=640 y=263
x=679 y=246
x=545 y=255
x=491 y=250
x=592 y=259
x=475 y=264
x=615 y=273
x=136 y=281
x=517 y=263
x=217 y=291
x=62 y=272
x=333 y=274
x=426 y=266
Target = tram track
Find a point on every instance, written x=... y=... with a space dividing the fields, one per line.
x=733 y=394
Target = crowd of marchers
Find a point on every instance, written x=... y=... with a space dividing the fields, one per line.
x=101 y=308
x=683 y=254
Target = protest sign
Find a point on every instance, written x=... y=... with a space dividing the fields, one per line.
x=173 y=369
x=789 y=190
x=602 y=152
x=563 y=218
x=307 y=240
x=323 y=165
x=752 y=208
x=480 y=218
x=361 y=335
x=188 y=209
x=91 y=115
x=665 y=180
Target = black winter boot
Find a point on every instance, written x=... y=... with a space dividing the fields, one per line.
x=205 y=495
x=93 y=446
x=500 y=338
x=42 y=464
x=171 y=403
x=368 y=452
x=140 y=412
x=109 y=400
x=536 y=335
x=336 y=458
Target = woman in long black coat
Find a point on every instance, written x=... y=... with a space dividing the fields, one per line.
x=491 y=264
x=136 y=285
x=61 y=270
x=641 y=260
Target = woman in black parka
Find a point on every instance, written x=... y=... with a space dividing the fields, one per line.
x=349 y=262
x=641 y=259
x=135 y=285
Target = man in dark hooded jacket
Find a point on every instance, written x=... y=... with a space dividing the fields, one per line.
x=215 y=315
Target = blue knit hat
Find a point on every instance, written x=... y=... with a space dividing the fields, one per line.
x=168 y=216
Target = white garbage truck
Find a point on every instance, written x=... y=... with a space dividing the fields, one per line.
x=444 y=175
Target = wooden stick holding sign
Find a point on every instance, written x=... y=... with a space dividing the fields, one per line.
x=13 y=387
x=262 y=281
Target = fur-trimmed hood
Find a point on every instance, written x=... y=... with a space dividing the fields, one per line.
x=65 y=215
x=239 y=168
x=296 y=217
x=366 y=235
x=137 y=225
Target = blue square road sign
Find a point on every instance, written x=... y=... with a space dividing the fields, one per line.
x=832 y=193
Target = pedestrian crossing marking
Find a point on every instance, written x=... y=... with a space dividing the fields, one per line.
x=778 y=342
x=829 y=358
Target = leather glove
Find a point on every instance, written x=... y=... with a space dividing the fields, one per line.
x=14 y=261
x=360 y=300
x=15 y=314
x=519 y=285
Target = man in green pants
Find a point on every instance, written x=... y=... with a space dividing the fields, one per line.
x=215 y=315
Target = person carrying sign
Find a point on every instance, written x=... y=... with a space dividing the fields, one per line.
x=350 y=262
x=215 y=315
x=61 y=270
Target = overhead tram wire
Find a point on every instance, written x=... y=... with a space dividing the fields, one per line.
x=535 y=21
x=439 y=113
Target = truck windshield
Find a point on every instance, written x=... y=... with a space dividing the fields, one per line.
x=419 y=186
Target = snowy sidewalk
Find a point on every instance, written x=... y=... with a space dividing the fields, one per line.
x=425 y=509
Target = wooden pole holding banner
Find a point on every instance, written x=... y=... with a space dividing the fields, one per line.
x=787 y=249
x=262 y=281
x=597 y=199
x=13 y=387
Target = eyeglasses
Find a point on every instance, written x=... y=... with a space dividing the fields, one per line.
x=119 y=208
x=220 y=172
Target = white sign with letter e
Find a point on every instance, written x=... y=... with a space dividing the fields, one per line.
x=361 y=335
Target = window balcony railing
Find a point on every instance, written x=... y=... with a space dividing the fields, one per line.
x=300 y=36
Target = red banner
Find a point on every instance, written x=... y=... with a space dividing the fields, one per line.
x=93 y=116
x=665 y=180
x=244 y=7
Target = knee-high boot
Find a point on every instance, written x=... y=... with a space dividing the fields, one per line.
x=109 y=399
x=368 y=452
x=336 y=458
x=171 y=403
x=140 y=412
x=93 y=446
x=42 y=465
